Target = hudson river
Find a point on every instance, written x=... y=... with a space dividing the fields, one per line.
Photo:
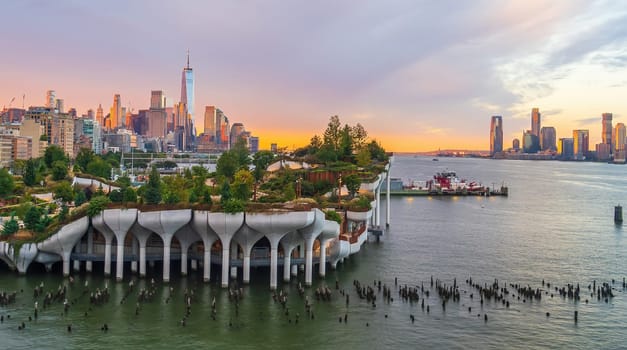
x=556 y=225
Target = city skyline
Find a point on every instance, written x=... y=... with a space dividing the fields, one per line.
x=292 y=66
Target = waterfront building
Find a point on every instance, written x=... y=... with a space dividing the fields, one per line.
x=535 y=122
x=580 y=144
x=12 y=115
x=606 y=133
x=565 y=148
x=548 y=138
x=237 y=132
x=222 y=130
x=531 y=142
x=156 y=123
x=274 y=148
x=619 y=137
x=496 y=135
x=516 y=145
x=603 y=151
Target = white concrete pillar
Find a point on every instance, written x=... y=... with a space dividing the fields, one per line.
x=90 y=248
x=134 y=248
x=246 y=268
x=308 y=261
x=234 y=256
x=207 y=265
x=77 y=265
x=225 y=266
x=378 y=209
x=323 y=258
x=142 y=259
x=66 y=264
x=107 y=264
x=119 y=267
x=286 y=267
x=166 y=262
x=274 y=254
x=183 y=262
x=294 y=269
x=387 y=199
x=194 y=264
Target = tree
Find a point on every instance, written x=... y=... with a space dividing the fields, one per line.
x=314 y=144
x=52 y=154
x=288 y=192
x=332 y=133
x=63 y=213
x=261 y=160
x=96 y=205
x=123 y=181
x=64 y=192
x=30 y=173
x=152 y=194
x=174 y=189
x=59 y=170
x=227 y=165
x=7 y=185
x=376 y=151
x=225 y=193
x=346 y=143
x=10 y=227
x=84 y=156
x=241 y=153
x=200 y=171
x=233 y=206
x=80 y=198
x=99 y=167
x=359 y=136
x=116 y=196
x=130 y=195
x=243 y=185
x=32 y=218
x=352 y=182
x=363 y=157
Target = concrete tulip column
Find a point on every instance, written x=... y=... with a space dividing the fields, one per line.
x=289 y=242
x=64 y=241
x=90 y=247
x=99 y=224
x=309 y=234
x=275 y=225
x=27 y=254
x=142 y=235
x=201 y=226
x=119 y=221
x=247 y=237
x=330 y=231
x=377 y=196
x=165 y=224
x=134 y=251
x=225 y=226
x=186 y=237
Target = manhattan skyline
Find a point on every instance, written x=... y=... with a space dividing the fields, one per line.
x=418 y=75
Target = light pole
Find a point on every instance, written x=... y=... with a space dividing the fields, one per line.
x=339 y=191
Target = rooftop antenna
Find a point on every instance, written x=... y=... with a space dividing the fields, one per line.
x=23 y=98
x=187 y=58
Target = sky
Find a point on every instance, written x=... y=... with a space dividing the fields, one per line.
x=418 y=75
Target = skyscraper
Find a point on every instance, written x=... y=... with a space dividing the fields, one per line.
x=157 y=99
x=116 y=112
x=606 y=133
x=619 y=137
x=496 y=135
x=187 y=88
x=548 y=138
x=51 y=99
x=210 y=122
x=580 y=144
x=100 y=115
x=535 y=122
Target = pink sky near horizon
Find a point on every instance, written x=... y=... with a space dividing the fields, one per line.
x=418 y=75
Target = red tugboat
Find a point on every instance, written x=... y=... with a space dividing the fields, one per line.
x=447 y=182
